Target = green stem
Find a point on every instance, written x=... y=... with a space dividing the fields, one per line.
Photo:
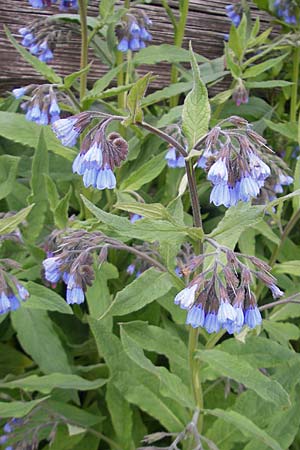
x=288 y=228
x=295 y=79
x=194 y=365
x=84 y=46
x=120 y=80
x=178 y=40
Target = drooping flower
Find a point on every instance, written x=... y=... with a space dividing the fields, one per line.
x=236 y=165
x=99 y=154
x=174 y=159
x=132 y=32
x=64 y=5
x=12 y=293
x=42 y=107
x=234 y=12
x=286 y=10
x=220 y=297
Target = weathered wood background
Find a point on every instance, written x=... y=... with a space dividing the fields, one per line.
x=207 y=23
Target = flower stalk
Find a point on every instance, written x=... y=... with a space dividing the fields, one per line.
x=84 y=46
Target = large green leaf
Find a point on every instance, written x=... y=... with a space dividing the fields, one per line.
x=121 y=416
x=289 y=267
x=47 y=383
x=246 y=426
x=236 y=220
x=196 y=109
x=257 y=69
x=8 y=173
x=134 y=99
x=231 y=366
x=44 y=69
x=15 y=127
x=18 y=409
x=137 y=385
x=46 y=299
x=37 y=335
x=170 y=384
x=164 y=52
x=149 y=286
x=147 y=172
x=40 y=166
x=287 y=129
x=9 y=224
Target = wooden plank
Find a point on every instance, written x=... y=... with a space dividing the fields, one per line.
x=206 y=25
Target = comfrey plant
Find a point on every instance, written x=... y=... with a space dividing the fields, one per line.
x=139 y=273
x=42 y=36
x=42 y=106
x=133 y=32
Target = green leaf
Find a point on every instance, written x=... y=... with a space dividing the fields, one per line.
x=231 y=366
x=15 y=127
x=170 y=384
x=154 y=54
x=134 y=99
x=72 y=77
x=253 y=71
x=287 y=129
x=151 y=285
x=166 y=92
x=236 y=220
x=9 y=224
x=137 y=385
x=106 y=8
x=145 y=229
x=196 y=109
x=45 y=384
x=259 y=351
x=38 y=65
x=289 y=267
x=45 y=299
x=102 y=83
x=39 y=339
x=8 y=173
x=245 y=425
x=121 y=416
x=40 y=166
x=152 y=210
x=99 y=304
x=12 y=361
x=282 y=332
x=74 y=415
x=153 y=339
x=269 y=84
x=18 y=409
x=61 y=211
x=144 y=174
x=52 y=193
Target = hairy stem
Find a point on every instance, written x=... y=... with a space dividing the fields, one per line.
x=295 y=79
x=194 y=365
x=84 y=46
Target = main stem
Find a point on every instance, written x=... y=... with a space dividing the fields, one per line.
x=178 y=40
x=194 y=364
x=295 y=79
x=84 y=46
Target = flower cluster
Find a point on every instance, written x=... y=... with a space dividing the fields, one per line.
x=69 y=260
x=42 y=36
x=234 y=12
x=99 y=154
x=174 y=159
x=8 y=429
x=133 y=32
x=139 y=264
x=64 y=5
x=240 y=94
x=286 y=10
x=236 y=165
x=12 y=292
x=220 y=296
x=42 y=106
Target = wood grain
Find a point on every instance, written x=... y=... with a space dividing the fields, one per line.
x=206 y=26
